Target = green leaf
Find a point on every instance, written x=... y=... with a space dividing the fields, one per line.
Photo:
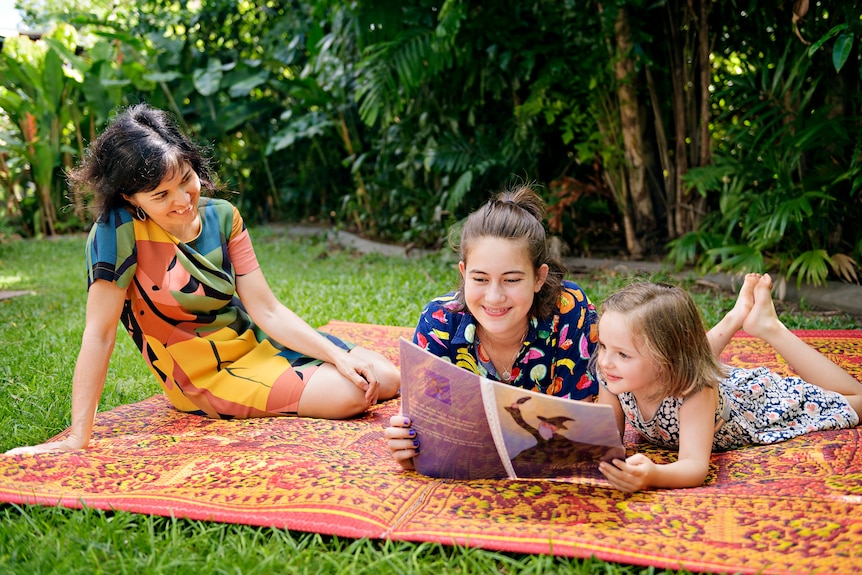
x=43 y=163
x=459 y=190
x=244 y=86
x=52 y=80
x=737 y=258
x=132 y=40
x=825 y=38
x=811 y=266
x=684 y=249
x=162 y=76
x=27 y=77
x=79 y=64
x=207 y=80
x=12 y=103
x=308 y=126
x=841 y=50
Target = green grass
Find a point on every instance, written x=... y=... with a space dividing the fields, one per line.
x=39 y=338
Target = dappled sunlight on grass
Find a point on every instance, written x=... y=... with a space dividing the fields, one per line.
x=9 y=282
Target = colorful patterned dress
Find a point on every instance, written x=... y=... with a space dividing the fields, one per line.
x=755 y=407
x=183 y=313
x=553 y=360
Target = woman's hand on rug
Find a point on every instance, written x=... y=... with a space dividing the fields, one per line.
x=630 y=475
x=68 y=444
x=402 y=440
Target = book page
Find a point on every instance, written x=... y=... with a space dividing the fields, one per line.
x=547 y=436
x=445 y=404
x=490 y=400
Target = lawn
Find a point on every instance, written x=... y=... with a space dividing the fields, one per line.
x=39 y=338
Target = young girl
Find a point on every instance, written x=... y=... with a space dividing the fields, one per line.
x=514 y=318
x=658 y=369
x=178 y=270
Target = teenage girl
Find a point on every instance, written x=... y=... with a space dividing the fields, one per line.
x=514 y=318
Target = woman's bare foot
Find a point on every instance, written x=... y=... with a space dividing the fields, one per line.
x=744 y=301
x=762 y=319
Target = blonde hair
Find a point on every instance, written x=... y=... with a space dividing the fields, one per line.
x=516 y=214
x=667 y=323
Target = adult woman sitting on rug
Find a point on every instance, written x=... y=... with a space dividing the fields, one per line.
x=514 y=318
x=180 y=273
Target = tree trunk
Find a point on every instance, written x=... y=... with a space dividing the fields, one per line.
x=704 y=48
x=689 y=47
x=679 y=80
x=46 y=209
x=668 y=170
x=630 y=124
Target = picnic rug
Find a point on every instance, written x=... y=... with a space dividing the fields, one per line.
x=794 y=507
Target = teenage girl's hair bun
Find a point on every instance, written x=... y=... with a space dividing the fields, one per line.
x=525 y=198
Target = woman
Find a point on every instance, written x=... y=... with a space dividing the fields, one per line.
x=180 y=273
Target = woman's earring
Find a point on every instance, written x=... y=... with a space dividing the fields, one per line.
x=140 y=213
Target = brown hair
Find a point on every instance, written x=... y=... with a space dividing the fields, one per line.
x=666 y=321
x=138 y=149
x=516 y=214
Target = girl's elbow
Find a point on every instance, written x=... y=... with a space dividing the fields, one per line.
x=698 y=475
x=690 y=472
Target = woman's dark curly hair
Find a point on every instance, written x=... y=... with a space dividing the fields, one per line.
x=136 y=152
x=516 y=214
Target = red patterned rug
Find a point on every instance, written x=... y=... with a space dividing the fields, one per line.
x=794 y=507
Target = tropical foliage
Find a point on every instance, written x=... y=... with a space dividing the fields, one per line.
x=785 y=183
x=723 y=134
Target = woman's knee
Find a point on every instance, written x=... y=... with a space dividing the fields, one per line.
x=329 y=395
x=388 y=375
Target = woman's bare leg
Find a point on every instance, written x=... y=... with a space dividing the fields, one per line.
x=387 y=374
x=329 y=395
x=807 y=362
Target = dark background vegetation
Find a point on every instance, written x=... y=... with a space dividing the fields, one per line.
x=721 y=134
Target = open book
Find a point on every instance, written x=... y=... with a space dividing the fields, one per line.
x=470 y=427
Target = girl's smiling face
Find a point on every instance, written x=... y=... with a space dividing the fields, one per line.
x=499 y=285
x=622 y=364
x=173 y=204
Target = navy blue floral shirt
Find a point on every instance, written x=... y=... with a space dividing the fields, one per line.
x=553 y=360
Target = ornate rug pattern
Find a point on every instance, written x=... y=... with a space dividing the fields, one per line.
x=794 y=507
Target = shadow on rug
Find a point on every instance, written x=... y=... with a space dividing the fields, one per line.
x=794 y=507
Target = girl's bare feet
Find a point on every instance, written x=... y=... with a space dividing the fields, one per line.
x=744 y=301
x=721 y=333
x=806 y=361
x=762 y=319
